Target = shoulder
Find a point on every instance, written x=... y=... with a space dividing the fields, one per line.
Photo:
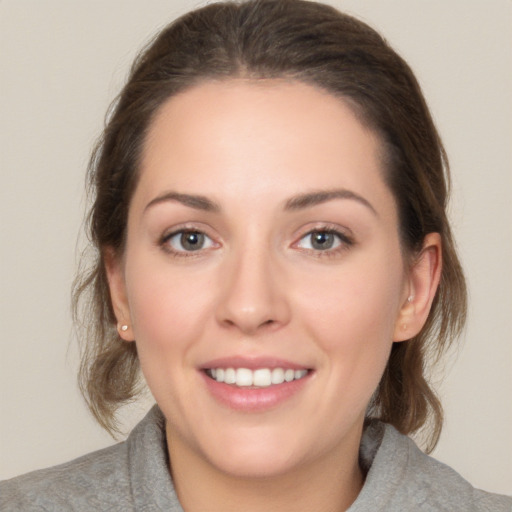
x=86 y=483
x=436 y=486
x=405 y=478
x=132 y=475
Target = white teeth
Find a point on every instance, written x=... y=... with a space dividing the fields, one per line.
x=230 y=376
x=243 y=377
x=277 y=376
x=299 y=374
x=261 y=378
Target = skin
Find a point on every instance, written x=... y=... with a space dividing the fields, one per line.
x=258 y=287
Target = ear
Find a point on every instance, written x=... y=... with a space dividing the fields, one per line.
x=117 y=287
x=423 y=281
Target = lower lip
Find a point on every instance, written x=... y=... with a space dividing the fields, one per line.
x=254 y=399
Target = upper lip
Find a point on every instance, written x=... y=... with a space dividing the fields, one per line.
x=252 y=363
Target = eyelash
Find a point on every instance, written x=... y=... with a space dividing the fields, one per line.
x=343 y=242
x=165 y=243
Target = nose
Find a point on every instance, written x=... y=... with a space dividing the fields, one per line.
x=253 y=294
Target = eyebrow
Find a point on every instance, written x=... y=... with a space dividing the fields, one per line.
x=191 y=200
x=310 y=199
x=299 y=202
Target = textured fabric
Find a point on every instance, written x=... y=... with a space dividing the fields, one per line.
x=129 y=476
x=402 y=478
x=134 y=476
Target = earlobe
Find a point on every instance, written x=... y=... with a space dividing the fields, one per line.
x=117 y=288
x=424 y=277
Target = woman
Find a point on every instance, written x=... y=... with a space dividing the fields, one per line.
x=273 y=251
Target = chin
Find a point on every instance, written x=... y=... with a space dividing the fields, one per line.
x=255 y=451
x=256 y=466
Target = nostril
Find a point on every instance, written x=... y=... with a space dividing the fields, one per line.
x=268 y=325
x=250 y=326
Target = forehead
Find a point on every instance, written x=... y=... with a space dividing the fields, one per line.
x=255 y=138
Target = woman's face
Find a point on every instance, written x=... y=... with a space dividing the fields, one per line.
x=262 y=247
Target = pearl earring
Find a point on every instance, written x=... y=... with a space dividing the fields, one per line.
x=410 y=298
x=123 y=328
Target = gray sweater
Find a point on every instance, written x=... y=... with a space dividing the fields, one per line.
x=133 y=476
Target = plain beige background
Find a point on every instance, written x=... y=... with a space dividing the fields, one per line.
x=63 y=61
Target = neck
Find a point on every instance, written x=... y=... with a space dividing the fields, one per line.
x=330 y=483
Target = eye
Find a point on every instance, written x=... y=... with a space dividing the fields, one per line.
x=188 y=241
x=322 y=240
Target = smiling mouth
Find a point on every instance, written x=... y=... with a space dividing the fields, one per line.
x=260 y=378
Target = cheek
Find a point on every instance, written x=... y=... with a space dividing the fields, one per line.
x=168 y=311
x=169 y=314
x=351 y=316
x=351 y=306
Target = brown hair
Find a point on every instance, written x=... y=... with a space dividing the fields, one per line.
x=312 y=43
